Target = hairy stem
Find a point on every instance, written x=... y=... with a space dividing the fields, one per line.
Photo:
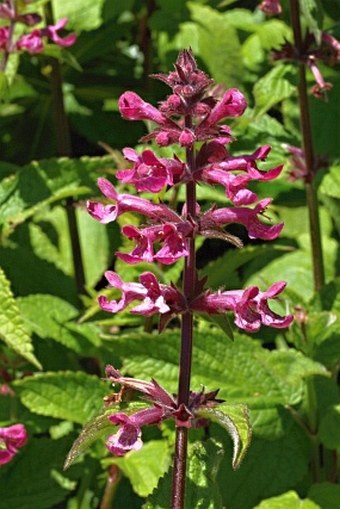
x=189 y=279
x=307 y=141
x=63 y=140
x=111 y=486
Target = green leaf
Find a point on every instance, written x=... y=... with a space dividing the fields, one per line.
x=72 y=396
x=235 y=420
x=289 y=500
x=202 y=491
x=326 y=495
x=242 y=369
x=329 y=431
x=330 y=184
x=145 y=467
x=33 y=479
x=12 y=327
x=273 y=88
x=3 y=86
x=312 y=16
x=53 y=318
x=209 y=31
x=96 y=428
x=47 y=181
x=82 y=14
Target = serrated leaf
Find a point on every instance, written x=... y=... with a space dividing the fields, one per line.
x=72 y=396
x=145 y=467
x=242 y=369
x=47 y=181
x=202 y=491
x=53 y=318
x=289 y=500
x=273 y=88
x=12 y=328
x=95 y=429
x=235 y=420
x=330 y=184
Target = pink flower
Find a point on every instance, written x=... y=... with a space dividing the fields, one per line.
x=31 y=42
x=4 y=33
x=132 y=107
x=170 y=235
x=12 y=438
x=149 y=173
x=271 y=7
x=51 y=32
x=242 y=215
x=165 y=406
x=250 y=306
x=232 y=104
x=126 y=203
x=155 y=297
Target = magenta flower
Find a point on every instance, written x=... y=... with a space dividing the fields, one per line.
x=271 y=7
x=31 y=42
x=215 y=218
x=149 y=173
x=250 y=306
x=132 y=107
x=4 y=33
x=232 y=104
x=12 y=438
x=126 y=203
x=165 y=406
x=51 y=32
x=155 y=297
x=170 y=235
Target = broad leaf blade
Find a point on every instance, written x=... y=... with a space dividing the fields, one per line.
x=12 y=328
x=235 y=420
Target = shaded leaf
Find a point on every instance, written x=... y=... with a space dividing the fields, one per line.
x=289 y=500
x=12 y=327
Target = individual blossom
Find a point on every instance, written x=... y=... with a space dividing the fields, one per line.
x=12 y=438
x=215 y=218
x=155 y=297
x=250 y=306
x=51 y=32
x=126 y=203
x=164 y=406
x=171 y=236
x=149 y=173
x=271 y=7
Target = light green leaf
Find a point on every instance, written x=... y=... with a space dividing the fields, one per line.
x=235 y=420
x=82 y=14
x=210 y=30
x=72 y=396
x=12 y=327
x=330 y=184
x=289 y=500
x=53 y=318
x=202 y=490
x=273 y=88
x=145 y=467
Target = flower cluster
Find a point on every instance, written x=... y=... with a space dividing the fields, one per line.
x=12 y=438
x=32 y=41
x=166 y=237
x=164 y=406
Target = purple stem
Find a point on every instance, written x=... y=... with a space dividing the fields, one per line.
x=307 y=140
x=180 y=458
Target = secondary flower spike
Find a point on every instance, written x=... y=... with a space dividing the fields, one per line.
x=12 y=438
x=165 y=406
